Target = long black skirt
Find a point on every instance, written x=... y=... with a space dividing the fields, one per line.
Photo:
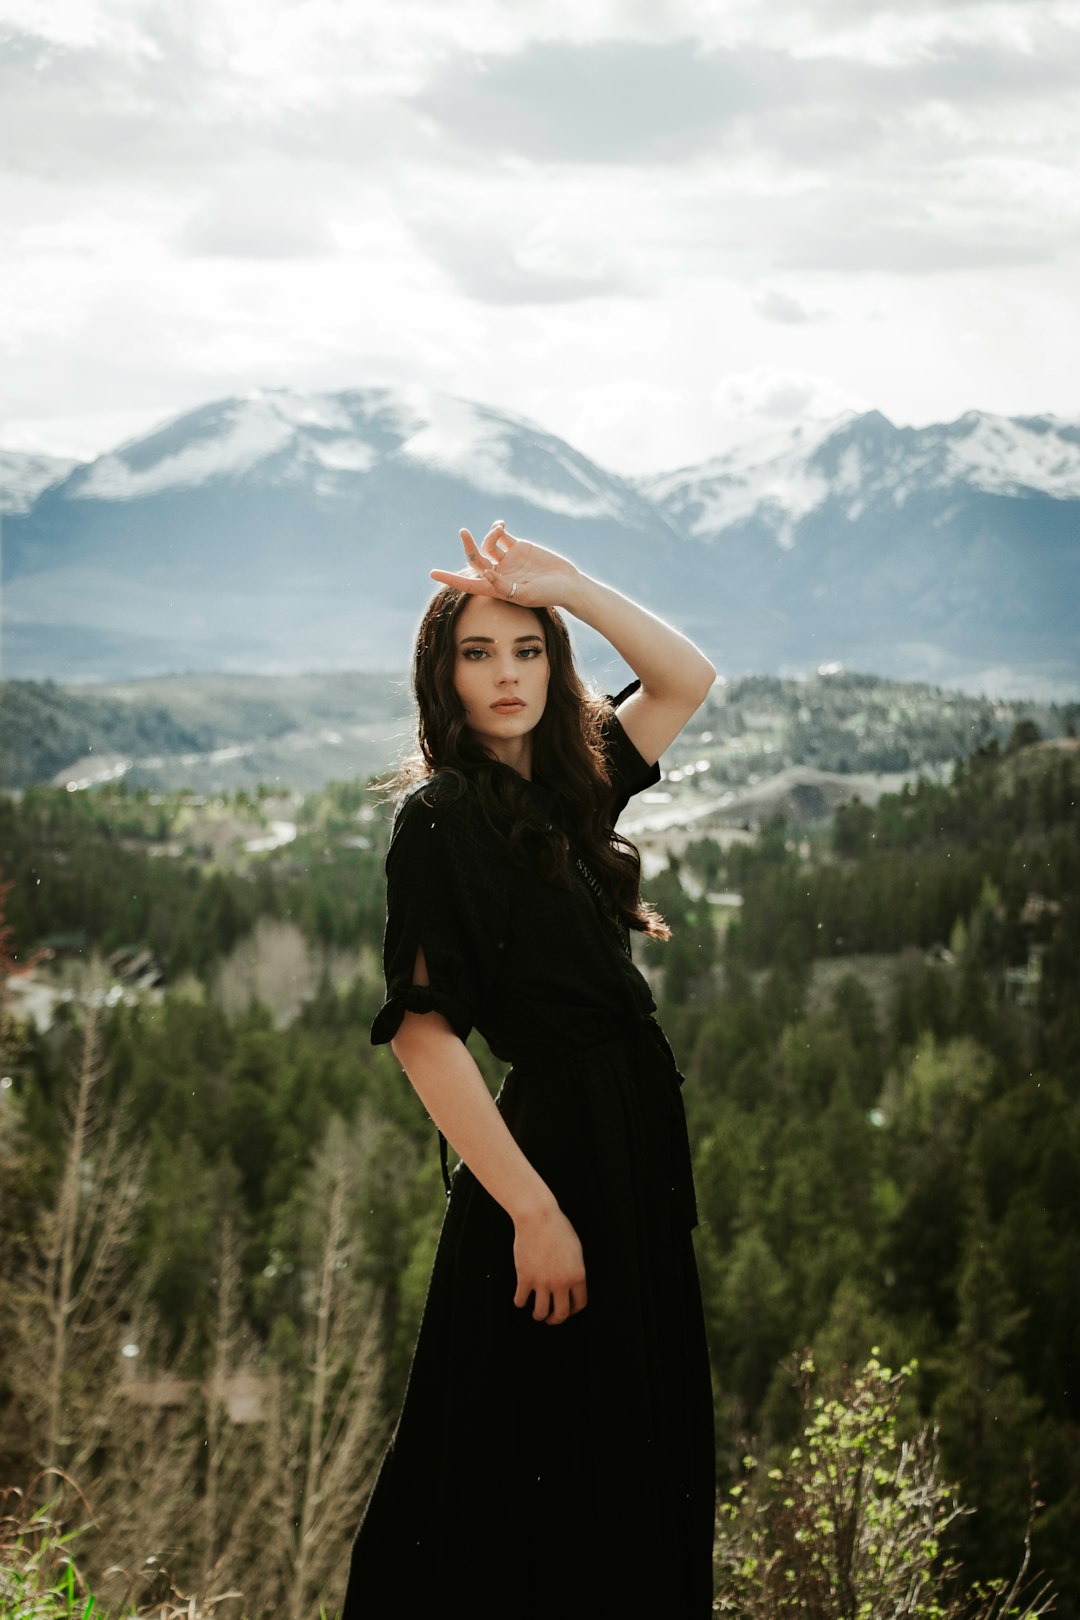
x=566 y=1469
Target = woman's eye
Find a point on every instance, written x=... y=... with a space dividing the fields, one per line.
x=529 y=652
x=474 y=653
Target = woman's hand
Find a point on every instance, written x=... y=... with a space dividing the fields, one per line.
x=550 y=1266
x=516 y=570
x=547 y=1253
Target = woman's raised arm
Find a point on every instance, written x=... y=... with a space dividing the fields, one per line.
x=675 y=675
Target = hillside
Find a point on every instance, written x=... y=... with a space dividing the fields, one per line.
x=206 y=732
x=757 y=742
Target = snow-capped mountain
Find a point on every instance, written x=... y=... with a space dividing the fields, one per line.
x=284 y=531
x=324 y=441
x=23 y=476
x=855 y=462
x=951 y=550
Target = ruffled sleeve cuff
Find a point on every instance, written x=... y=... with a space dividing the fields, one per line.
x=419 y=998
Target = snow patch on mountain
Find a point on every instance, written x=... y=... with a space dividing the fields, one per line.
x=318 y=438
x=24 y=474
x=327 y=413
x=857 y=461
x=452 y=435
x=248 y=431
x=771 y=477
x=1008 y=456
x=484 y=449
x=345 y=455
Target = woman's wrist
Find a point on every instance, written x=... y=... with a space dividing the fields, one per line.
x=532 y=1204
x=580 y=596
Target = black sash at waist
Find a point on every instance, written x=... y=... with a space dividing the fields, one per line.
x=540 y=1054
x=543 y=1057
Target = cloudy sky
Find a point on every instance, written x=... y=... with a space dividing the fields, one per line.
x=654 y=226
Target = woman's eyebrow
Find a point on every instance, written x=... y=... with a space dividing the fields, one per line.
x=491 y=639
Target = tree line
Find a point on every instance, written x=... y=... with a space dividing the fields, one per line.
x=889 y=1164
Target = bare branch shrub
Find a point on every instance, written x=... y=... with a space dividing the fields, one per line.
x=855 y=1526
x=323 y=1424
x=65 y=1311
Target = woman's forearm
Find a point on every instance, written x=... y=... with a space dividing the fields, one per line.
x=451 y=1087
x=667 y=663
x=674 y=674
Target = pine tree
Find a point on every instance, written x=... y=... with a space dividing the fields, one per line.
x=986 y=1417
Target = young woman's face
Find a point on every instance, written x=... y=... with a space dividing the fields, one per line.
x=501 y=672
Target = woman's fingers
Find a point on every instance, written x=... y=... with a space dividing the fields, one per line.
x=549 y=1267
x=494 y=544
x=475 y=556
x=560 y=1307
x=552 y=1306
x=464 y=582
x=483 y=560
x=477 y=584
x=549 y=1307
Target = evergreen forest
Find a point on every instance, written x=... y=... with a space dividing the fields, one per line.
x=220 y=1204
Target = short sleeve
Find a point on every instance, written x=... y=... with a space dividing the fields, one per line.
x=629 y=772
x=446 y=891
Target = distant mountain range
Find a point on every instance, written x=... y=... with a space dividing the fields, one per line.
x=282 y=532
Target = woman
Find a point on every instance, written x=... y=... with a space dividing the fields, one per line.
x=554 y=1451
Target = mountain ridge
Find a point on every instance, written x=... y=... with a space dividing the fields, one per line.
x=280 y=530
x=25 y=474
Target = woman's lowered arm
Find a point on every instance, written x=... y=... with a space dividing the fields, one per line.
x=547 y=1253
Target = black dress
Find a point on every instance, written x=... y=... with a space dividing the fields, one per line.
x=538 y=1469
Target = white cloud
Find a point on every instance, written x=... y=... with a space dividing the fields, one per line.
x=259 y=216
x=776 y=305
x=647 y=223
x=754 y=405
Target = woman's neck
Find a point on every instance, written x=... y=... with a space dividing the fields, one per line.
x=515 y=752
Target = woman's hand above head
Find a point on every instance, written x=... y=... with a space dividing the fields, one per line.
x=675 y=676
x=519 y=571
x=550 y=1265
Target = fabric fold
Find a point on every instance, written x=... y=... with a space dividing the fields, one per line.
x=418 y=998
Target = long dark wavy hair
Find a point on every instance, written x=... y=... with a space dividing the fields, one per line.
x=567 y=754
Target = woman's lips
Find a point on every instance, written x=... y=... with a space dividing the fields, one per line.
x=508 y=705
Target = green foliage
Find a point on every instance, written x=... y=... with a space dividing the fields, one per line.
x=158 y=723
x=109 y=868
x=687 y=958
x=40 y=1578
x=1024 y=733
x=853 y=1523
x=887 y=1145
x=919 y=861
x=987 y=1418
